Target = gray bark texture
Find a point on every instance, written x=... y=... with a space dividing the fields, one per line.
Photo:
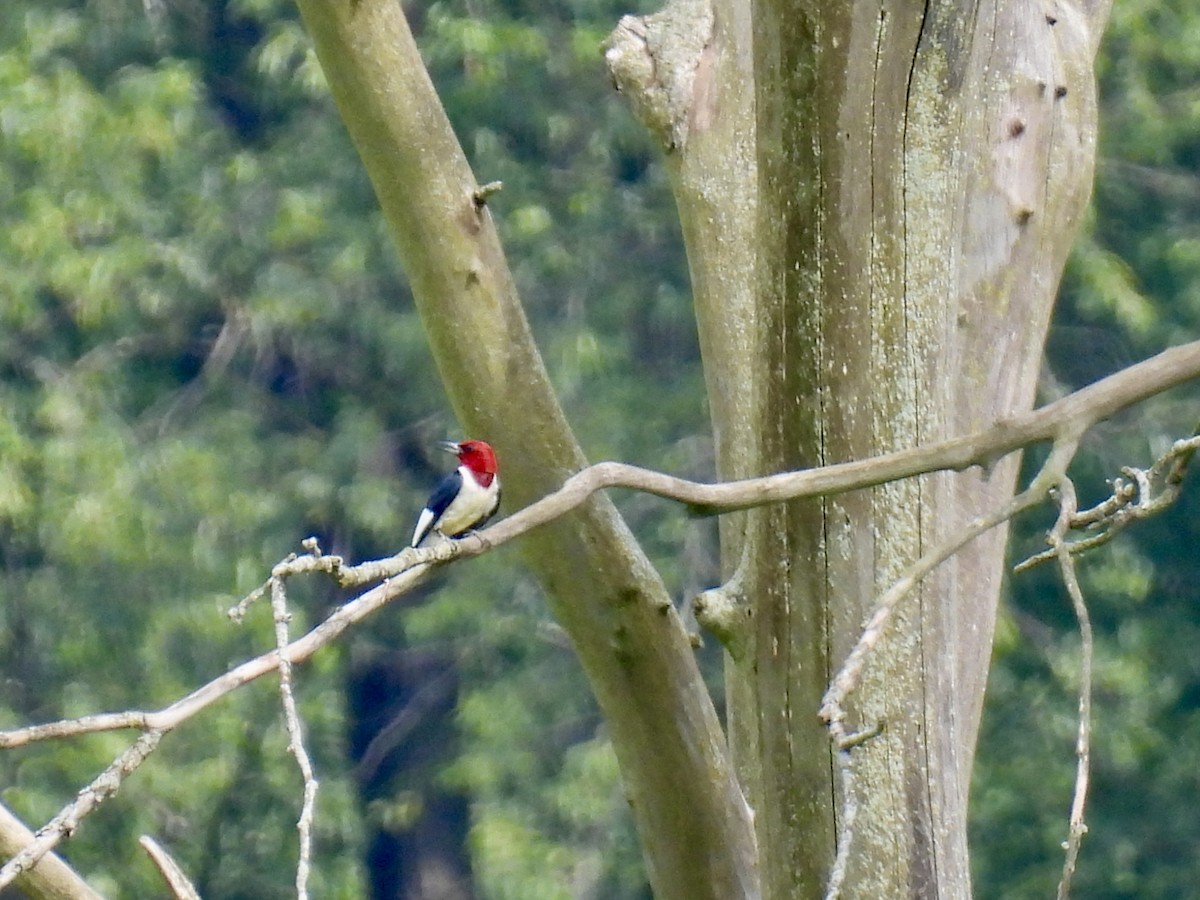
x=877 y=199
x=690 y=813
x=887 y=281
x=50 y=879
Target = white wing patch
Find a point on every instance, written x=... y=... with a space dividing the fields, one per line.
x=470 y=504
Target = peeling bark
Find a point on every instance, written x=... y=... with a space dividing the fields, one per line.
x=916 y=175
x=877 y=200
x=659 y=62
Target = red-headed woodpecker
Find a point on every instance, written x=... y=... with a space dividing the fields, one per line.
x=467 y=497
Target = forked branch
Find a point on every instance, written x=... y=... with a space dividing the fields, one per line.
x=1141 y=493
x=1067 y=511
x=1146 y=493
x=1062 y=422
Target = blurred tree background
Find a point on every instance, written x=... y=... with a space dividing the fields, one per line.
x=207 y=353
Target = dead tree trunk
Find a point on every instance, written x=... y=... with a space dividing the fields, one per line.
x=878 y=200
x=922 y=172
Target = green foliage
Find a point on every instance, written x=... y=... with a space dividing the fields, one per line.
x=207 y=352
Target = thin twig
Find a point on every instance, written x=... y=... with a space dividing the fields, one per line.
x=172 y=873
x=238 y=611
x=1066 y=561
x=845 y=828
x=1146 y=493
x=1061 y=421
x=844 y=683
x=102 y=787
x=295 y=732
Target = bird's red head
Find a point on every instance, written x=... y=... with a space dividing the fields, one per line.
x=478 y=456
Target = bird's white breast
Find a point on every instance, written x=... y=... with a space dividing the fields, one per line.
x=474 y=502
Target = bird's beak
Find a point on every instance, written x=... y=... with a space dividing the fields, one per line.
x=449 y=446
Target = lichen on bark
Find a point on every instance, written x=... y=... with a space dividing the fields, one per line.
x=654 y=60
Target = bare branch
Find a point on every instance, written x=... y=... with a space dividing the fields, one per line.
x=1146 y=493
x=1071 y=415
x=832 y=710
x=156 y=724
x=1067 y=417
x=297 y=651
x=180 y=885
x=1066 y=561
x=50 y=879
x=31 y=734
x=102 y=787
x=1063 y=421
x=295 y=736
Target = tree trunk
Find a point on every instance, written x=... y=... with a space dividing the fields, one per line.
x=877 y=201
x=921 y=170
x=402 y=706
x=692 y=819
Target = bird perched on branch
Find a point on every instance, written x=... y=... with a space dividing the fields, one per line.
x=467 y=497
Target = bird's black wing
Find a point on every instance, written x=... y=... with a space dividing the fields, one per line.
x=443 y=495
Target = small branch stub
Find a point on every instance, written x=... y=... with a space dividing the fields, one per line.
x=484 y=192
x=725 y=611
x=653 y=61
